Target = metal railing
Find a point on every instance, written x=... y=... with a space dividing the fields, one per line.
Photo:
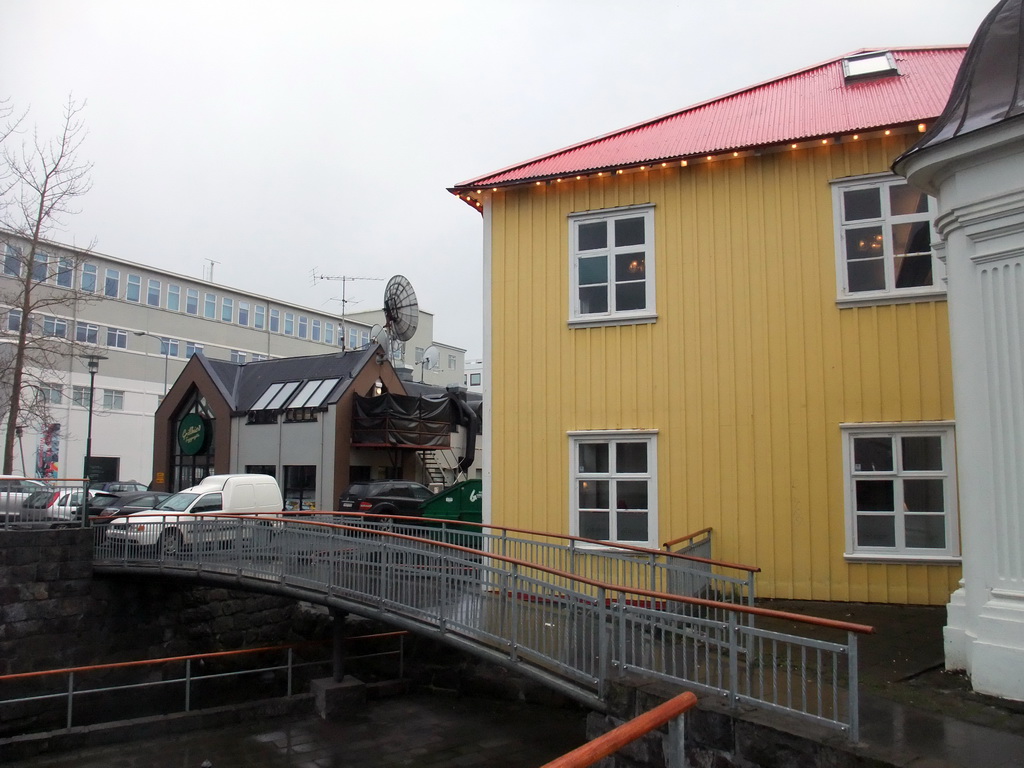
x=567 y=628
x=186 y=673
x=29 y=502
x=697 y=543
x=693 y=574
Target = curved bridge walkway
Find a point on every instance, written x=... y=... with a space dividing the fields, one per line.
x=566 y=611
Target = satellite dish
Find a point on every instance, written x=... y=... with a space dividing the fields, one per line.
x=429 y=360
x=430 y=357
x=401 y=310
x=377 y=334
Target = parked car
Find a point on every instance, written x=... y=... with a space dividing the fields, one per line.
x=386 y=498
x=168 y=525
x=55 y=504
x=14 y=490
x=118 y=486
x=123 y=504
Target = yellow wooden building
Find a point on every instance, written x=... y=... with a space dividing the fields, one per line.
x=732 y=316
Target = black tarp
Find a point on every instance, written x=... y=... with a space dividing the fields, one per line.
x=400 y=421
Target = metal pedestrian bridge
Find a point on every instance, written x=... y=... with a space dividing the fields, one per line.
x=569 y=612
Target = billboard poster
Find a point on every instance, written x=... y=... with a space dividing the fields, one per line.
x=48 y=452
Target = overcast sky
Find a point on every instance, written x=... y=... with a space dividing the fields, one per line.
x=283 y=138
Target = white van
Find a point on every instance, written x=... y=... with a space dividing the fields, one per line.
x=168 y=526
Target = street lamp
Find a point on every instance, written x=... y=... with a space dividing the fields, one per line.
x=165 y=345
x=92 y=362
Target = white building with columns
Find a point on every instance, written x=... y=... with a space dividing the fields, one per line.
x=972 y=162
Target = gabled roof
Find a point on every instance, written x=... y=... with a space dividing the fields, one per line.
x=808 y=104
x=243 y=383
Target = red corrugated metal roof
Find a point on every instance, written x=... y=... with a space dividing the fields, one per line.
x=811 y=103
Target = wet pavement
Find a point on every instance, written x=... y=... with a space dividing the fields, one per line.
x=913 y=715
x=423 y=730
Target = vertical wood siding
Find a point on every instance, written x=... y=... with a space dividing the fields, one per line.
x=747 y=374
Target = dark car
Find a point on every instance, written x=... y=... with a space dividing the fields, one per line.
x=384 y=497
x=61 y=504
x=128 y=504
x=118 y=486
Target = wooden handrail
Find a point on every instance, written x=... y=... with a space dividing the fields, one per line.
x=565 y=537
x=687 y=537
x=663 y=596
x=168 y=659
x=617 y=738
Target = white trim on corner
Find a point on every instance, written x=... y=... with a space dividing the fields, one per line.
x=487 y=512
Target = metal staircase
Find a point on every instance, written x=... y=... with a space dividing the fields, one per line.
x=440 y=465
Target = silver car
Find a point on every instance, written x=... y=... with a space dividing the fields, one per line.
x=14 y=490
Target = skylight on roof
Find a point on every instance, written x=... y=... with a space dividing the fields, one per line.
x=869 y=65
x=314 y=393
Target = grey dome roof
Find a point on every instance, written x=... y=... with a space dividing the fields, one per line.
x=989 y=88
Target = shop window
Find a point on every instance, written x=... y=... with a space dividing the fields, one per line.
x=300 y=487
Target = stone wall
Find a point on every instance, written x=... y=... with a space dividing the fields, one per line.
x=53 y=613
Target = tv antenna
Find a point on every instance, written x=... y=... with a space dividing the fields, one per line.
x=345 y=280
x=212 y=262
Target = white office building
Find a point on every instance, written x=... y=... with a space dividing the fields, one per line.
x=146 y=323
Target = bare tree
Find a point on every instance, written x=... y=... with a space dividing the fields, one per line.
x=40 y=182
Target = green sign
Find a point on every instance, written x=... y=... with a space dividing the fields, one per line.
x=193 y=434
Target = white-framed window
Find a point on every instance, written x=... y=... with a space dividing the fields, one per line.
x=112 y=283
x=303 y=326
x=328 y=332
x=86 y=333
x=174 y=297
x=275 y=321
x=237 y=357
x=210 y=306
x=40 y=266
x=65 y=272
x=117 y=337
x=55 y=326
x=243 y=313
x=191 y=347
x=90 y=276
x=613 y=486
x=289 y=324
x=314 y=329
x=452 y=362
x=52 y=394
x=133 y=288
x=168 y=347
x=612 y=266
x=12 y=260
x=113 y=399
x=192 y=301
x=259 y=317
x=900 y=488
x=13 y=323
x=153 y=293
x=884 y=232
x=227 y=310
x=257 y=357
x=81 y=396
